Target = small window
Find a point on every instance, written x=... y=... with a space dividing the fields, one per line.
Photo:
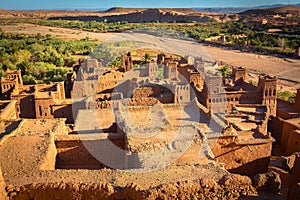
x=40 y=110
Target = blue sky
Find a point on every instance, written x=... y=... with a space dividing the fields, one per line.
x=73 y=4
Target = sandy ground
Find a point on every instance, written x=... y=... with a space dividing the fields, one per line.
x=286 y=69
x=64 y=33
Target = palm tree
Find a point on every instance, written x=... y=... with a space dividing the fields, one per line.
x=147 y=57
x=225 y=70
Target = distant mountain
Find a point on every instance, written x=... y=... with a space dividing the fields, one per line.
x=239 y=9
x=168 y=15
x=133 y=10
x=270 y=11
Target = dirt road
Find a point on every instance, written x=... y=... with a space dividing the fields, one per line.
x=287 y=70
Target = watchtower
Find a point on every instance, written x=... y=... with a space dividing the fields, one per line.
x=182 y=93
x=170 y=71
x=13 y=81
x=152 y=70
x=268 y=86
x=127 y=63
x=239 y=74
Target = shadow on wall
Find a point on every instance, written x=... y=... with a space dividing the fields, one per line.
x=260 y=166
x=27 y=107
x=77 y=154
x=65 y=112
x=10 y=128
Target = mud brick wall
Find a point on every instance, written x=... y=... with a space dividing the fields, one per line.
x=74 y=154
x=248 y=160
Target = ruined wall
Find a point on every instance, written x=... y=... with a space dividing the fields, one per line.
x=43 y=108
x=128 y=102
x=69 y=83
x=170 y=71
x=182 y=93
x=60 y=91
x=239 y=74
x=229 y=187
x=293 y=143
x=152 y=70
x=9 y=111
x=63 y=111
x=288 y=129
x=275 y=126
x=50 y=157
x=250 y=159
x=73 y=154
x=3 y=194
x=161 y=93
x=234 y=98
x=127 y=62
x=297 y=100
x=7 y=87
x=108 y=81
x=12 y=83
x=196 y=80
x=295 y=178
x=25 y=106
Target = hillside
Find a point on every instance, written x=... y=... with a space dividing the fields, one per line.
x=284 y=9
x=152 y=15
x=133 y=10
x=271 y=11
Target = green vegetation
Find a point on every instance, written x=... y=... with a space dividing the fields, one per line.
x=92 y=26
x=236 y=33
x=109 y=52
x=42 y=59
x=253 y=82
x=50 y=56
x=147 y=57
x=117 y=62
x=225 y=70
x=287 y=96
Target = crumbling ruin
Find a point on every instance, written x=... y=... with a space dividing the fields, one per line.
x=127 y=126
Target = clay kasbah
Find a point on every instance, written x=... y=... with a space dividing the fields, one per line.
x=153 y=115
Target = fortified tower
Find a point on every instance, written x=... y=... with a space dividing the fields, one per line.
x=127 y=63
x=268 y=86
x=13 y=81
x=239 y=74
x=170 y=71
x=152 y=70
x=182 y=93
